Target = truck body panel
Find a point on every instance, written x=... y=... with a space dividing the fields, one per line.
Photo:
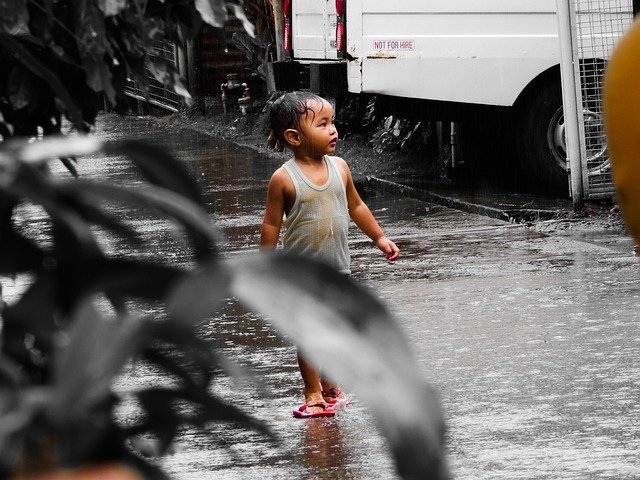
x=468 y=51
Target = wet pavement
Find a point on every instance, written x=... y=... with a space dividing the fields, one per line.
x=529 y=331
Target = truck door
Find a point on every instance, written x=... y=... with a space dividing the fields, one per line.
x=314 y=29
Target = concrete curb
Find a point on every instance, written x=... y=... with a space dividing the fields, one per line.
x=523 y=215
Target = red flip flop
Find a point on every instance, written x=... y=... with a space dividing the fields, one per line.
x=301 y=411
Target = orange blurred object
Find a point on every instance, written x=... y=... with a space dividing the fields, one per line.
x=107 y=471
x=621 y=103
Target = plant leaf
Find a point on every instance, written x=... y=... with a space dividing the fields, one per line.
x=198 y=295
x=162 y=419
x=18 y=254
x=240 y=14
x=243 y=43
x=33 y=313
x=39 y=69
x=87 y=208
x=85 y=367
x=124 y=278
x=201 y=352
x=348 y=332
x=111 y=8
x=18 y=87
x=203 y=235
x=158 y=166
x=212 y=12
x=166 y=73
x=71 y=233
x=14 y=17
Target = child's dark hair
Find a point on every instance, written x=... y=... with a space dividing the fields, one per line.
x=287 y=110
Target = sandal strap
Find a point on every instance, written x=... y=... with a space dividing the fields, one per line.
x=332 y=392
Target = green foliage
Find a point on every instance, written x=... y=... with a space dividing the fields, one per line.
x=60 y=58
x=256 y=48
x=60 y=352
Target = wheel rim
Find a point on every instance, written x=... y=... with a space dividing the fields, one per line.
x=597 y=154
x=556 y=139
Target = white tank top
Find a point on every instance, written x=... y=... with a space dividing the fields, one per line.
x=318 y=223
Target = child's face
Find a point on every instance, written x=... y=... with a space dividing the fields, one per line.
x=318 y=132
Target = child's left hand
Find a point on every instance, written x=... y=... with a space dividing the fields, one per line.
x=390 y=250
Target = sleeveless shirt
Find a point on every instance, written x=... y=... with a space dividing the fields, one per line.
x=318 y=223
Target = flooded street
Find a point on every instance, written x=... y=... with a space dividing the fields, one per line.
x=529 y=332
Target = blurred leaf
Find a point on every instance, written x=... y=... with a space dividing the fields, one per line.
x=180 y=368
x=344 y=329
x=240 y=14
x=14 y=17
x=91 y=31
x=72 y=235
x=164 y=415
x=158 y=166
x=69 y=164
x=39 y=69
x=203 y=353
x=32 y=314
x=19 y=410
x=165 y=73
x=126 y=278
x=84 y=368
x=11 y=376
x=112 y=7
x=198 y=295
x=99 y=78
x=94 y=47
x=18 y=254
x=40 y=152
x=213 y=12
x=95 y=213
x=203 y=235
x=18 y=87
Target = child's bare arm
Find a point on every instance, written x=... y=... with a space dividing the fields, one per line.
x=274 y=210
x=364 y=219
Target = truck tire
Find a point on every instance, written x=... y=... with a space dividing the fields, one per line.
x=540 y=141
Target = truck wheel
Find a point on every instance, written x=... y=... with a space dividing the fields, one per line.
x=540 y=140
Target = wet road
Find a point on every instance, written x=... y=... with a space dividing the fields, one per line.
x=529 y=332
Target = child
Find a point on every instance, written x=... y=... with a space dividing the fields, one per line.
x=316 y=193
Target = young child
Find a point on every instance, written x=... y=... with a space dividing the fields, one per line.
x=315 y=193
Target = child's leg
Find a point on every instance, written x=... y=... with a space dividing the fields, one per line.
x=312 y=386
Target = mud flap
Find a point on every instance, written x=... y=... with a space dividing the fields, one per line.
x=285 y=76
x=327 y=79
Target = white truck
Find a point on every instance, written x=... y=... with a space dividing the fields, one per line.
x=492 y=65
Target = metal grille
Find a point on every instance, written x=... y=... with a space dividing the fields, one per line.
x=158 y=94
x=599 y=25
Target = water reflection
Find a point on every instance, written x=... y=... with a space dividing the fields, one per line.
x=325 y=451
